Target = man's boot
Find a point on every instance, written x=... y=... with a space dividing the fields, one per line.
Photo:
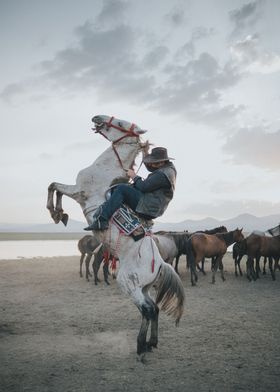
x=99 y=221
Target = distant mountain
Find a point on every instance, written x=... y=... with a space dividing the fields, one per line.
x=247 y=221
x=73 y=226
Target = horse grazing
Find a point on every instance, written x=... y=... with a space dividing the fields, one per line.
x=89 y=246
x=210 y=245
x=141 y=266
x=258 y=246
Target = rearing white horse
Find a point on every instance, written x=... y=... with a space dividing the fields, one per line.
x=141 y=266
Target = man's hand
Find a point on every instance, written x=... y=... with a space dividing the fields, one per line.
x=131 y=173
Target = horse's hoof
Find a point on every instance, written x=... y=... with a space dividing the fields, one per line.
x=141 y=358
x=106 y=281
x=151 y=344
x=64 y=219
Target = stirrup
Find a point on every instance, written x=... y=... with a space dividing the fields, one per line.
x=99 y=222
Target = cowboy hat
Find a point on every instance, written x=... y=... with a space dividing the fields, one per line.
x=158 y=154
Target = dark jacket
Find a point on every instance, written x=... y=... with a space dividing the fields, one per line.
x=157 y=189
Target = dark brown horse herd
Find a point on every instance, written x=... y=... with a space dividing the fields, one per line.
x=197 y=246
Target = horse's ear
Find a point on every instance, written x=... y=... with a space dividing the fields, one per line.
x=141 y=131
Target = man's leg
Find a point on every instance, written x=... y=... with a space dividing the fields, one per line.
x=122 y=194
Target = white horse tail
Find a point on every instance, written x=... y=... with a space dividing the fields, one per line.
x=170 y=294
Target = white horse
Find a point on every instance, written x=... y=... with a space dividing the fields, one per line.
x=141 y=266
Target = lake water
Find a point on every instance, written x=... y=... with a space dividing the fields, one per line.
x=44 y=248
x=25 y=249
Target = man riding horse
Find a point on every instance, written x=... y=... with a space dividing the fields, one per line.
x=149 y=198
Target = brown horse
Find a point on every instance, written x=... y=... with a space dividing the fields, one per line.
x=258 y=246
x=220 y=229
x=202 y=245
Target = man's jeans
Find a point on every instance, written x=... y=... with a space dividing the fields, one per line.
x=121 y=194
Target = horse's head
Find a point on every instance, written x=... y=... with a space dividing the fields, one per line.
x=238 y=235
x=116 y=130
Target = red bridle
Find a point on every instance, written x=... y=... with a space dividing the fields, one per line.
x=127 y=133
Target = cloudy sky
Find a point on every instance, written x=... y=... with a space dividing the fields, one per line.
x=202 y=76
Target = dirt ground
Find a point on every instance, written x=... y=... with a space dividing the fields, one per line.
x=60 y=333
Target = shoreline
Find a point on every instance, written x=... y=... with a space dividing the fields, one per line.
x=36 y=236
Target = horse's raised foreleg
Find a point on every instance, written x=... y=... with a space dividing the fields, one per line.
x=56 y=211
x=60 y=215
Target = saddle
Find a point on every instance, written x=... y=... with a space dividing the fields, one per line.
x=129 y=223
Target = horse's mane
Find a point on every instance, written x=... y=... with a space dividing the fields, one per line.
x=226 y=237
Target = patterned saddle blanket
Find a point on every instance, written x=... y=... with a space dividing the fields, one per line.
x=130 y=223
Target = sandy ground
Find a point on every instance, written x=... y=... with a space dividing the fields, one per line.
x=60 y=333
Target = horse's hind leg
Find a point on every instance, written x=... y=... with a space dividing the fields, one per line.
x=272 y=270
x=98 y=258
x=87 y=261
x=142 y=335
x=238 y=264
x=264 y=264
x=258 y=270
x=81 y=264
x=221 y=267
x=215 y=268
x=176 y=264
x=106 y=272
x=153 y=341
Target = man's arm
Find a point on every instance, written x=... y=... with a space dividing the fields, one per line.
x=153 y=182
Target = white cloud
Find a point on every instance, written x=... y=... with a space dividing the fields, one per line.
x=255 y=147
x=253 y=58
